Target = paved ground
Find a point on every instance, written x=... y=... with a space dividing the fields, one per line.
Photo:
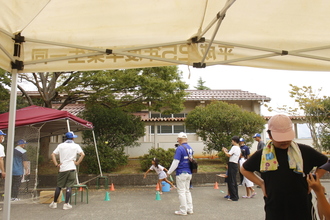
x=140 y=203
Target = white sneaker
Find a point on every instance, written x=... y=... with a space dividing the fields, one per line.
x=53 y=205
x=190 y=212
x=15 y=199
x=180 y=213
x=67 y=206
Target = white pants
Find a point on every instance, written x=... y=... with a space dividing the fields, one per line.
x=183 y=185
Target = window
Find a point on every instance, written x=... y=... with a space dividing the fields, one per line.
x=170 y=129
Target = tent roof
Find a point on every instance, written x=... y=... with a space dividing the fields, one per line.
x=82 y=35
x=50 y=121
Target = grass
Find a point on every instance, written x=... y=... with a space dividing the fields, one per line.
x=134 y=167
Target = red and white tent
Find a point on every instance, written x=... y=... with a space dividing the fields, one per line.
x=49 y=121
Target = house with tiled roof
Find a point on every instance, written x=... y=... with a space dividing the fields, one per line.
x=162 y=130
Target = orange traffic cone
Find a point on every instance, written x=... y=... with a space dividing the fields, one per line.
x=216 y=185
x=112 y=187
x=157 y=187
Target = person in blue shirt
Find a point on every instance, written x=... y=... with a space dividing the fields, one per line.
x=20 y=168
x=181 y=164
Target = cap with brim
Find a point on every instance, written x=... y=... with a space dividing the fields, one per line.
x=70 y=135
x=21 y=142
x=1 y=133
x=326 y=166
x=281 y=128
x=182 y=135
x=256 y=135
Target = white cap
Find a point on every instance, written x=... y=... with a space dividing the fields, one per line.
x=182 y=135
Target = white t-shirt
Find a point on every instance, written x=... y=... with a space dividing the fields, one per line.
x=235 y=153
x=160 y=171
x=2 y=153
x=67 y=152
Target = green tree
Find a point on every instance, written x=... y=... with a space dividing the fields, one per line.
x=157 y=88
x=314 y=107
x=200 y=85
x=219 y=121
x=114 y=129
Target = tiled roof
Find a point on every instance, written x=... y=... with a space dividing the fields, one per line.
x=74 y=109
x=228 y=94
x=183 y=119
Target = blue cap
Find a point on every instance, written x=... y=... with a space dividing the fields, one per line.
x=241 y=140
x=70 y=135
x=1 y=133
x=256 y=135
x=21 y=142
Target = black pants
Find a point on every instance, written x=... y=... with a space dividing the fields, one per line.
x=232 y=182
x=16 y=183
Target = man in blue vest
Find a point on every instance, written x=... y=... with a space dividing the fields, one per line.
x=181 y=164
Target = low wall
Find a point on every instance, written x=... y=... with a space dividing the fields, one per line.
x=49 y=181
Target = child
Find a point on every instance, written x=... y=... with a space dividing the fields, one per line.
x=246 y=182
x=161 y=174
x=225 y=176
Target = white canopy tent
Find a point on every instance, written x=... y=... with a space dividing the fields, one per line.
x=69 y=35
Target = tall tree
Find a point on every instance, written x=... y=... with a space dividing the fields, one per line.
x=219 y=121
x=313 y=106
x=114 y=130
x=157 y=88
x=200 y=85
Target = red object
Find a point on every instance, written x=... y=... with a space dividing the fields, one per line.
x=216 y=185
x=112 y=187
x=52 y=121
x=80 y=189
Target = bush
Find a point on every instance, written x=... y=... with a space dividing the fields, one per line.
x=110 y=159
x=165 y=158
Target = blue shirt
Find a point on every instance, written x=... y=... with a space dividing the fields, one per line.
x=19 y=157
x=246 y=149
x=182 y=156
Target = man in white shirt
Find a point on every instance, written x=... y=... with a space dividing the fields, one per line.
x=233 y=155
x=67 y=153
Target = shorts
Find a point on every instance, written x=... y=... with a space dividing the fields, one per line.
x=66 y=178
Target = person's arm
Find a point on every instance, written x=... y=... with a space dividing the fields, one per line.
x=2 y=167
x=26 y=167
x=166 y=170
x=225 y=150
x=54 y=160
x=254 y=178
x=323 y=205
x=174 y=165
x=82 y=155
x=145 y=175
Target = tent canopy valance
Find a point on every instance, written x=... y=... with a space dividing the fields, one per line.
x=49 y=35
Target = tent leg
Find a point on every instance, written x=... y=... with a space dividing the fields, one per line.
x=10 y=144
x=97 y=153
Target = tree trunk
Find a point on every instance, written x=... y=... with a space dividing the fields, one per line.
x=44 y=148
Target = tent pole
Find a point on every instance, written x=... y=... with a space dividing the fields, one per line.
x=10 y=145
x=68 y=125
x=97 y=153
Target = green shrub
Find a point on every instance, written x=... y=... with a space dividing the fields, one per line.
x=165 y=158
